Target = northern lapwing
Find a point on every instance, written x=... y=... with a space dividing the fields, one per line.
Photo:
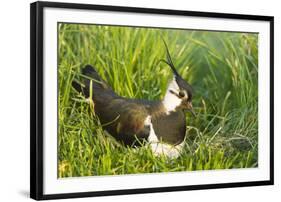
x=161 y=123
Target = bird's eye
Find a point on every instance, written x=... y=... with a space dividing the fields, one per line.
x=181 y=94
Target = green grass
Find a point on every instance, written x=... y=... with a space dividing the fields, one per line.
x=221 y=67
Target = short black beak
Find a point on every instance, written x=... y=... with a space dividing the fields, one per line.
x=193 y=112
x=190 y=108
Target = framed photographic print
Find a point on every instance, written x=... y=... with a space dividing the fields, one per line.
x=136 y=100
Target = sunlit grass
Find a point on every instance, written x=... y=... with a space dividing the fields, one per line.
x=221 y=67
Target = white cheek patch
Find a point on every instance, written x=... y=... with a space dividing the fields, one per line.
x=159 y=148
x=171 y=101
x=173 y=85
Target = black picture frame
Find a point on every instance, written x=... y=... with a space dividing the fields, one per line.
x=37 y=99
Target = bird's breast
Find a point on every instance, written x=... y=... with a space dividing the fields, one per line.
x=170 y=128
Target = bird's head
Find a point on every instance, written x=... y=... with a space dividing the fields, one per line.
x=179 y=92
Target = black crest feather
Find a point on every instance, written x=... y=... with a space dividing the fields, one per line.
x=169 y=61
